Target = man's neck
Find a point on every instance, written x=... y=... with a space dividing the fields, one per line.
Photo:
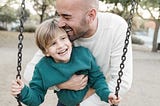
x=92 y=30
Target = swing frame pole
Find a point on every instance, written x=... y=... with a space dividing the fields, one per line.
x=125 y=49
x=20 y=46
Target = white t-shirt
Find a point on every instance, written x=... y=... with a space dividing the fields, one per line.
x=107 y=47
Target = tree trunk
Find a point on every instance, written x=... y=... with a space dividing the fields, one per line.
x=154 y=43
x=44 y=6
x=41 y=18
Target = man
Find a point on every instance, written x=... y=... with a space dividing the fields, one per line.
x=103 y=34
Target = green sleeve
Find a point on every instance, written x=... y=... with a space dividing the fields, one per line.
x=97 y=80
x=34 y=94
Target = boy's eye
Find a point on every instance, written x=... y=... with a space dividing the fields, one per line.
x=63 y=37
x=53 y=43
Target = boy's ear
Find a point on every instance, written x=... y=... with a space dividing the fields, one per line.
x=46 y=53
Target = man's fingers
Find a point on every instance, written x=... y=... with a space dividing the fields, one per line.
x=84 y=81
x=80 y=81
x=76 y=82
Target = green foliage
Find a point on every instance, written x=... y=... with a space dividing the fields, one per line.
x=7 y=14
x=123 y=2
x=149 y=3
x=26 y=14
x=43 y=8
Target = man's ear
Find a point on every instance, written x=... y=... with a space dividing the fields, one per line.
x=92 y=15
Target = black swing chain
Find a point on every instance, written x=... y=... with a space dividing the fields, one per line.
x=20 y=46
x=123 y=58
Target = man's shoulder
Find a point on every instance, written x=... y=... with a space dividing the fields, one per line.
x=111 y=17
x=108 y=14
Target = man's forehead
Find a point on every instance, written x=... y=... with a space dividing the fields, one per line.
x=64 y=12
x=69 y=4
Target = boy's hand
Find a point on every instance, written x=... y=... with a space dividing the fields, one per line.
x=16 y=87
x=112 y=99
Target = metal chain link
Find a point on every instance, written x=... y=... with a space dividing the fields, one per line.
x=159 y=11
x=20 y=46
x=123 y=58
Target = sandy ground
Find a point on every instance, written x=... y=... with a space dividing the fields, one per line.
x=146 y=78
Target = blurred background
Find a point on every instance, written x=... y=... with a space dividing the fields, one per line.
x=145 y=39
x=145 y=24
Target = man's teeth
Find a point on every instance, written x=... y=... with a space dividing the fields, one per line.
x=67 y=30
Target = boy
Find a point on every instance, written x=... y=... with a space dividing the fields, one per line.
x=61 y=61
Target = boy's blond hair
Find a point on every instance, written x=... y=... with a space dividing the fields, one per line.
x=45 y=33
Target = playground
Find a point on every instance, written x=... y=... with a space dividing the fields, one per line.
x=146 y=69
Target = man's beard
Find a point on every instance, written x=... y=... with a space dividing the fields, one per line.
x=75 y=37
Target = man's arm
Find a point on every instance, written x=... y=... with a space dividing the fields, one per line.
x=76 y=82
x=116 y=54
x=28 y=72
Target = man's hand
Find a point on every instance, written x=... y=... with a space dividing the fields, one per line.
x=76 y=82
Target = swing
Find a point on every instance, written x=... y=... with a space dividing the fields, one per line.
x=123 y=57
x=20 y=46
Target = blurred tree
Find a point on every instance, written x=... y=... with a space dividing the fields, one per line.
x=41 y=7
x=124 y=12
x=26 y=15
x=151 y=6
x=122 y=8
x=7 y=15
x=7 y=3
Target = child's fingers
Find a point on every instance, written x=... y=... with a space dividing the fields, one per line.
x=109 y=101
x=116 y=101
x=15 y=93
x=113 y=99
x=20 y=83
x=15 y=90
x=16 y=87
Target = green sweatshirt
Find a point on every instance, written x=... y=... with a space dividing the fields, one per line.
x=48 y=73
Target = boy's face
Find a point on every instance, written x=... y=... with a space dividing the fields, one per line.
x=61 y=48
